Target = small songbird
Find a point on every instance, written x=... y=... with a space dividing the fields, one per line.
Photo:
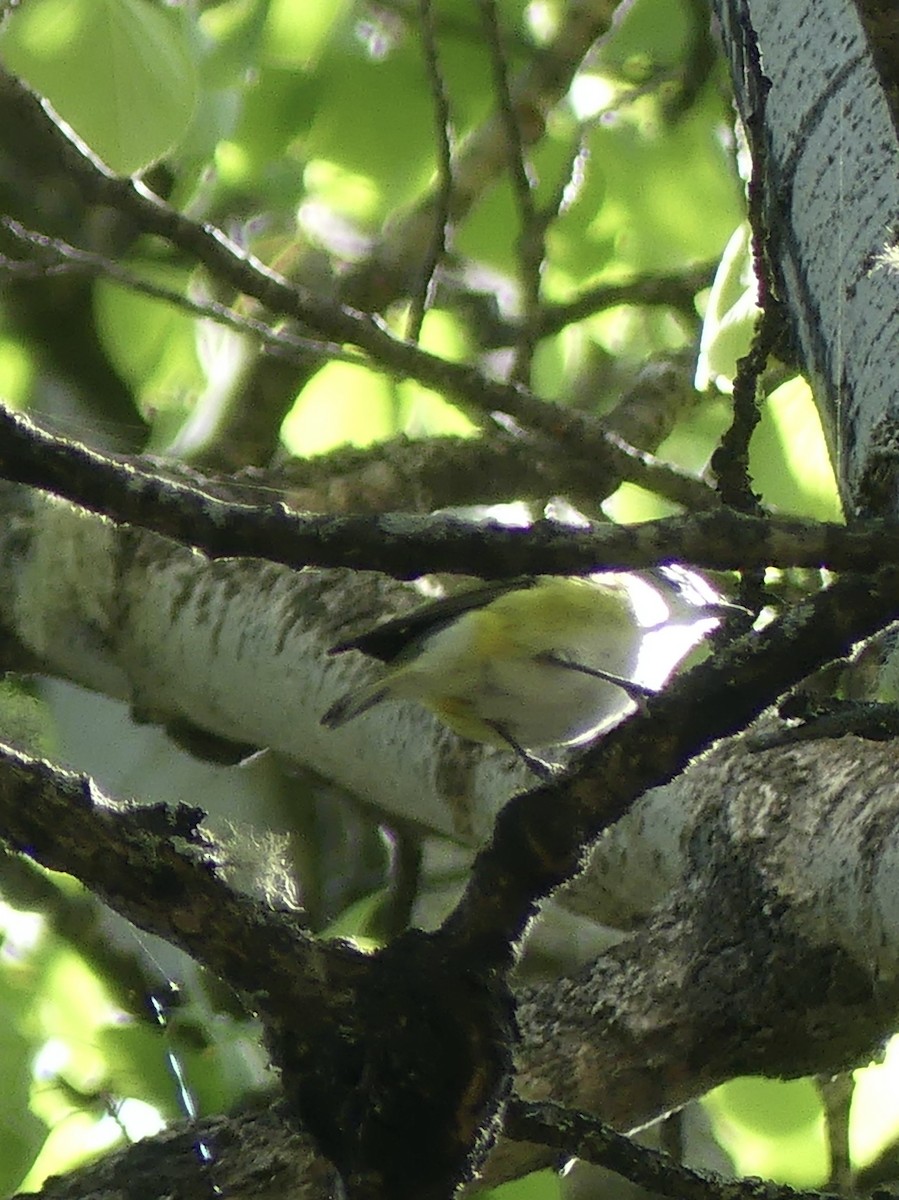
x=525 y=664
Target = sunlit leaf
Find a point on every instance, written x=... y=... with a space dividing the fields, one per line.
x=120 y=72
x=296 y=33
x=539 y=1185
x=772 y=1128
x=343 y=404
x=152 y=344
x=874 y=1117
x=788 y=456
x=21 y=1133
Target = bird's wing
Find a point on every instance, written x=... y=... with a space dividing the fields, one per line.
x=388 y=640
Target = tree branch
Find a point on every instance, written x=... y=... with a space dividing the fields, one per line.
x=406 y=545
x=828 y=198
x=154 y=866
x=578 y=1134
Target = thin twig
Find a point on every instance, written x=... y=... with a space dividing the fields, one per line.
x=532 y=247
x=581 y=1135
x=518 y=169
x=531 y=228
x=421 y=297
x=675 y=290
x=72 y=260
x=730 y=461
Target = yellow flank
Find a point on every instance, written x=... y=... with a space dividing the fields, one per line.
x=489 y=631
x=459 y=714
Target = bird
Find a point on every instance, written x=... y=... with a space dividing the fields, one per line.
x=525 y=664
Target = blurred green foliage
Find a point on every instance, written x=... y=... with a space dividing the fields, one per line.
x=776 y=1129
x=772 y=1128
x=87 y=1066
x=313 y=127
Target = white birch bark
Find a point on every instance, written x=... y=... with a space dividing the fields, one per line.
x=238 y=648
x=831 y=198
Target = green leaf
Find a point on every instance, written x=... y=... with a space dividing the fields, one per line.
x=788 y=456
x=296 y=33
x=342 y=404
x=662 y=196
x=151 y=343
x=21 y=1133
x=771 y=1127
x=120 y=72
x=874 y=1121
x=539 y=1185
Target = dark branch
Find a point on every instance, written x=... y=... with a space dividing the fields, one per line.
x=577 y=1133
x=676 y=290
x=406 y=545
x=531 y=227
x=156 y=867
x=57 y=257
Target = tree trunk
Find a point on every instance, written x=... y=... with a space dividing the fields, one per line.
x=823 y=137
